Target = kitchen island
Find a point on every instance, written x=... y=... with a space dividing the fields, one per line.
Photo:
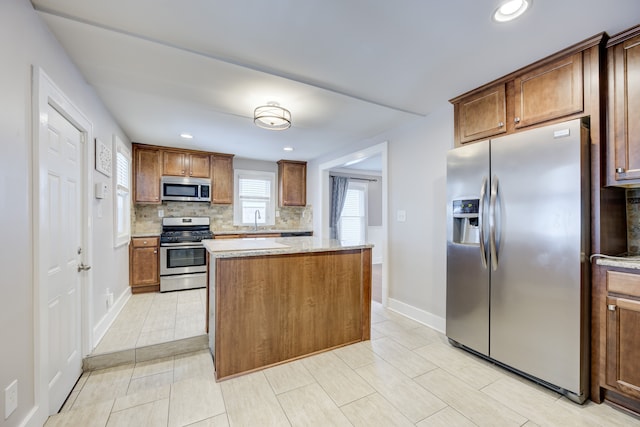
x=273 y=300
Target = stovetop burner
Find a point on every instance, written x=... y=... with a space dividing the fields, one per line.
x=185 y=229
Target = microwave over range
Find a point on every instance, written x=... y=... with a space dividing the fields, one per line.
x=174 y=188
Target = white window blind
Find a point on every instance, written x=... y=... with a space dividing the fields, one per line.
x=255 y=198
x=122 y=196
x=354 y=214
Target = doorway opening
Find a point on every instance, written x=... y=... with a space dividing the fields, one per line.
x=364 y=217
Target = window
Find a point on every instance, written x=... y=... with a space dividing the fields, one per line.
x=353 y=219
x=122 y=194
x=254 y=198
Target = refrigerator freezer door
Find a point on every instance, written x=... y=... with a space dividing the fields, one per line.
x=467 y=274
x=536 y=287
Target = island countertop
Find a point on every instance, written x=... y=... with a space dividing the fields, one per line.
x=233 y=248
x=272 y=300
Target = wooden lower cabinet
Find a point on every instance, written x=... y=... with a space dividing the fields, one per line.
x=616 y=329
x=623 y=345
x=144 y=268
x=623 y=333
x=274 y=308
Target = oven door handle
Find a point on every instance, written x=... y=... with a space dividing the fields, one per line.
x=182 y=245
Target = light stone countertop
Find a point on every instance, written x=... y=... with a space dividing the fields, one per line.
x=632 y=262
x=260 y=231
x=149 y=234
x=234 y=248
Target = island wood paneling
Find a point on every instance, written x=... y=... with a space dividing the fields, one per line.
x=275 y=308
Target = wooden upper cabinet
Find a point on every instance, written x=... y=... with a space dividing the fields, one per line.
x=482 y=114
x=561 y=87
x=200 y=165
x=623 y=54
x=147 y=172
x=222 y=179
x=292 y=183
x=550 y=91
x=177 y=163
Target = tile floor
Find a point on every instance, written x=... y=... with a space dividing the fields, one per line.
x=153 y=318
x=406 y=375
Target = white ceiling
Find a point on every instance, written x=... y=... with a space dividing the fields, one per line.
x=347 y=70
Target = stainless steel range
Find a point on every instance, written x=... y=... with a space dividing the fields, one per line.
x=183 y=258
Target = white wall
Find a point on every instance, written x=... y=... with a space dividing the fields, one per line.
x=417 y=247
x=417 y=185
x=25 y=40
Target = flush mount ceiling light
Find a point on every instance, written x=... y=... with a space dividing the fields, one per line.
x=272 y=117
x=511 y=10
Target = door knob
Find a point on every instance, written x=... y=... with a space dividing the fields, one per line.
x=82 y=267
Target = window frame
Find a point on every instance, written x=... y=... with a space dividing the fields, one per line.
x=237 y=203
x=124 y=237
x=364 y=188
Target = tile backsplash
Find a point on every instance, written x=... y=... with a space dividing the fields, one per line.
x=633 y=221
x=145 y=219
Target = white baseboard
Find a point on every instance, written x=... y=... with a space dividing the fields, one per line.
x=103 y=325
x=429 y=319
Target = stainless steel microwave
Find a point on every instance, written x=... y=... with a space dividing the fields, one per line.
x=175 y=188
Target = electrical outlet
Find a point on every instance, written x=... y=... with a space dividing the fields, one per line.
x=401 y=215
x=277 y=214
x=160 y=213
x=10 y=398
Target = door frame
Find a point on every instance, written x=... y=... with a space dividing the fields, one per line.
x=323 y=184
x=46 y=93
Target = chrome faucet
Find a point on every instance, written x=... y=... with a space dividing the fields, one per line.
x=256 y=217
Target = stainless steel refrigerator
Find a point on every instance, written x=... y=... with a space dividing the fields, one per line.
x=517 y=253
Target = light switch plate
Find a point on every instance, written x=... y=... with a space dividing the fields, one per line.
x=401 y=215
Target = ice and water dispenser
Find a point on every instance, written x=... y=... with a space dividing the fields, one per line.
x=465 y=221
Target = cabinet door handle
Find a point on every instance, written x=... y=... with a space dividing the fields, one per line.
x=619 y=170
x=500 y=124
x=155 y=251
x=517 y=120
x=611 y=307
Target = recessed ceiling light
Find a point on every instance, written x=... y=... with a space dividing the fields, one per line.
x=186 y=136
x=288 y=148
x=511 y=10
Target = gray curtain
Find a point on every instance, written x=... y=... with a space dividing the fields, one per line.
x=339 y=185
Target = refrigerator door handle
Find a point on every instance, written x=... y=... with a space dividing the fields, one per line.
x=492 y=223
x=483 y=196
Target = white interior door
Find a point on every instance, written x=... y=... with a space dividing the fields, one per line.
x=62 y=210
